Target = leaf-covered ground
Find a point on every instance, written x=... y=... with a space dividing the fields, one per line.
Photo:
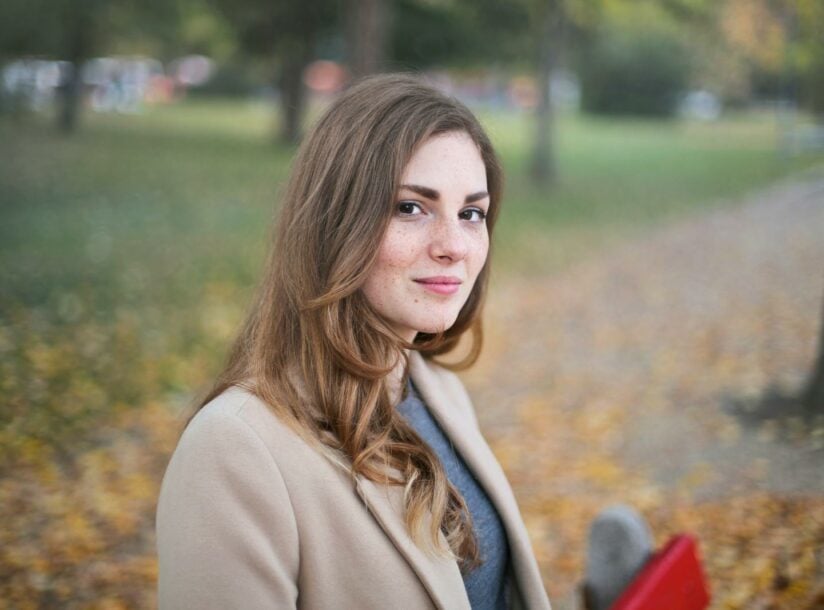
x=632 y=377
x=628 y=378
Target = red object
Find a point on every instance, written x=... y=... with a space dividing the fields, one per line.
x=671 y=580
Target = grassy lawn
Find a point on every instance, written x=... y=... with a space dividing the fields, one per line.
x=128 y=251
x=619 y=177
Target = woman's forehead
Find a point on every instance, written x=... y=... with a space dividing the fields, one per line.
x=446 y=159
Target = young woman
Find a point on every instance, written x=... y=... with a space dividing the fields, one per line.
x=335 y=464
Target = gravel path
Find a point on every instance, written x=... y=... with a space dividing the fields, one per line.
x=659 y=336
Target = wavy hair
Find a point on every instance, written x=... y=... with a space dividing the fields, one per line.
x=312 y=347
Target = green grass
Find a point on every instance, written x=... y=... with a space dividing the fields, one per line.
x=617 y=178
x=127 y=251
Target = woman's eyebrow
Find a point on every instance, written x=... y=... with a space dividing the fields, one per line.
x=425 y=191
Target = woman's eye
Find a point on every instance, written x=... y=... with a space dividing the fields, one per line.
x=473 y=215
x=409 y=208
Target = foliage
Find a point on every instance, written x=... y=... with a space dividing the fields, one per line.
x=266 y=28
x=51 y=27
x=82 y=536
x=810 y=53
x=436 y=37
x=202 y=29
x=638 y=70
x=780 y=43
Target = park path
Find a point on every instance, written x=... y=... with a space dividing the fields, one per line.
x=710 y=310
x=616 y=380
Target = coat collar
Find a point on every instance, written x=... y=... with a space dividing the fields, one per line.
x=452 y=409
x=441 y=576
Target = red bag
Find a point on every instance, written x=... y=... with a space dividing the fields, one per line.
x=671 y=580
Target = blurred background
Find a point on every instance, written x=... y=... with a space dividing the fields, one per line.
x=654 y=324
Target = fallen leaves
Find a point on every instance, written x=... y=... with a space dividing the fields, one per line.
x=618 y=376
x=81 y=534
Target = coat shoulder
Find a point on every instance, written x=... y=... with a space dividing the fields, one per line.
x=283 y=440
x=226 y=525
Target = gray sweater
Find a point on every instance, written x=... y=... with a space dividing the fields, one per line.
x=484 y=584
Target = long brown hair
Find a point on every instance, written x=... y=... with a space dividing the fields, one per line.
x=312 y=347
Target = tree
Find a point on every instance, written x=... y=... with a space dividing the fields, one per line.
x=809 y=52
x=75 y=31
x=367 y=29
x=780 y=41
x=534 y=37
x=285 y=33
x=456 y=34
x=552 y=18
x=812 y=396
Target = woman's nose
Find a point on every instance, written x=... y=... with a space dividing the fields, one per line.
x=448 y=242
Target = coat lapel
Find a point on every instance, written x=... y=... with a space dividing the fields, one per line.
x=480 y=460
x=440 y=575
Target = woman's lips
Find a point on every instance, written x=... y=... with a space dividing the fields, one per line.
x=440 y=284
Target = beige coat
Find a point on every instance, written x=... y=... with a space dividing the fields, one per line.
x=251 y=517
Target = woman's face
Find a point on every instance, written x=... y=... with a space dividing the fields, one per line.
x=436 y=242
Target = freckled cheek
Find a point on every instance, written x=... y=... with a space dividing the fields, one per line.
x=479 y=250
x=390 y=275
x=399 y=250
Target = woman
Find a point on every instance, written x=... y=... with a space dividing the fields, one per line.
x=335 y=464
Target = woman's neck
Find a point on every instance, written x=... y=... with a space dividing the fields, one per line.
x=395 y=379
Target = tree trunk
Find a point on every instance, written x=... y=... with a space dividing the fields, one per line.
x=543 y=168
x=292 y=90
x=70 y=94
x=366 y=32
x=813 y=395
x=78 y=50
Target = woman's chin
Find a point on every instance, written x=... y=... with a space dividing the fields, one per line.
x=433 y=328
